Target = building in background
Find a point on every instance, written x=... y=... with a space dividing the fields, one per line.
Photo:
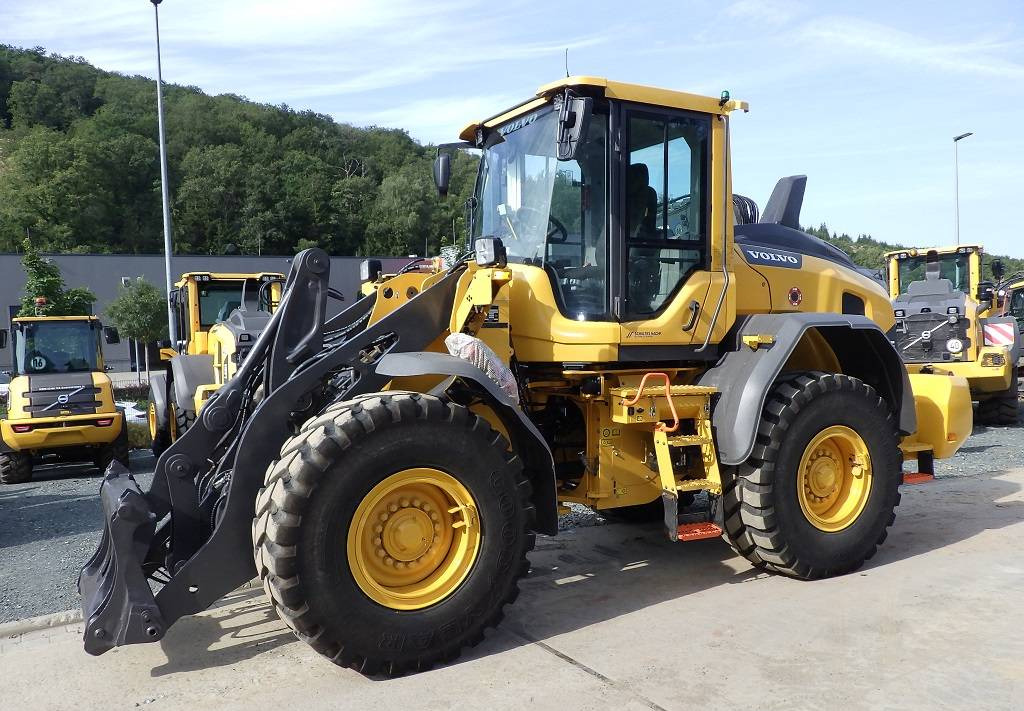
x=102 y=273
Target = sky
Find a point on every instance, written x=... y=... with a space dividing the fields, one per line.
x=863 y=97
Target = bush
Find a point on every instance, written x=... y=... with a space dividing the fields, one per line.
x=131 y=393
x=138 y=436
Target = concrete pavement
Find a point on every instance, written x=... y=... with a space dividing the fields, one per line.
x=614 y=617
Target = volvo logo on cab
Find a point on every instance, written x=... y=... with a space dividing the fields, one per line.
x=772 y=257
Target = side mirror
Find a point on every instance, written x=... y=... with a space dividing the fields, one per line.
x=442 y=172
x=986 y=291
x=998 y=269
x=3 y=337
x=110 y=335
x=573 y=119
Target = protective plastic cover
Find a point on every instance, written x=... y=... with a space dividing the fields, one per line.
x=475 y=351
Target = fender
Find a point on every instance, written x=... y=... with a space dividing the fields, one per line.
x=744 y=376
x=1012 y=322
x=158 y=396
x=527 y=441
x=188 y=372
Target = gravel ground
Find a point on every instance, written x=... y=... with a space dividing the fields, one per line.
x=50 y=525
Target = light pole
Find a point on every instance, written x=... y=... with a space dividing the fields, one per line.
x=171 y=330
x=956 y=183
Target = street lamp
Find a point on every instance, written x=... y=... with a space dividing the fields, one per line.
x=956 y=183
x=171 y=330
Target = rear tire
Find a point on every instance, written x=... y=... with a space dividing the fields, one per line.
x=15 y=467
x=116 y=450
x=183 y=418
x=797 y=533
x=159 y=433
x=1002 y=408
x=310 y=517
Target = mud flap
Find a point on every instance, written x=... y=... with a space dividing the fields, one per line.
x=118 y=606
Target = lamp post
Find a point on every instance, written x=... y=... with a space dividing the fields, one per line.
x=171 y=330
x=956 y=183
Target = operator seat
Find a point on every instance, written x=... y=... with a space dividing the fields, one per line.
x=642 y=214
x=641 y=203
x=226 y=308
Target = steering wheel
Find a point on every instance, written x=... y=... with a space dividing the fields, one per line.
x=559 y=228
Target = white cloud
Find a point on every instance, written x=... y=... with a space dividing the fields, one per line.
x=878 y=41
x=764 y=12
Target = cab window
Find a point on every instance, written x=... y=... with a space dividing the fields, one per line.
x=666 y=188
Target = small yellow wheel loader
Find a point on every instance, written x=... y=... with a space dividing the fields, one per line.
x=218 y=317
x=60 y=402
x=947 y=322
x=612 y=338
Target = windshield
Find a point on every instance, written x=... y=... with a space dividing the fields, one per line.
x=218 y=299
x=549 y=213
x=954 y=267
x=56 y=347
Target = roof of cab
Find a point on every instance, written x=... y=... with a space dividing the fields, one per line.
x=918 y=251
x=621 y=91
x=20 y=319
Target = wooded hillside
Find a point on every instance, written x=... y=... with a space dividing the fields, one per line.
x=79 y=172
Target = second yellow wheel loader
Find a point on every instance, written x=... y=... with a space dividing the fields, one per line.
x=612 y=339
x=219 y=316
x=947 y=321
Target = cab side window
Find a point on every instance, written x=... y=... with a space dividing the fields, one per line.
x=666 y=206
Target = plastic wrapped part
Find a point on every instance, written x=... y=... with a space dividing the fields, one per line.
x=475 y=351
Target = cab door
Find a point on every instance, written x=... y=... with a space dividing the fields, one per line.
x=669 y=291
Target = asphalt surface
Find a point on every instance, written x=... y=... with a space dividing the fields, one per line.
x=51 y=525
x=616 y=617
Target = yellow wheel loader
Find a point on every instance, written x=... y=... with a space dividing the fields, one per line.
x=612 y=339
x=60 y=403
x=218 y=316
x=947 y=322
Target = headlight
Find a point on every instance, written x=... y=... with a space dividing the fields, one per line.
x=954 y=345
x=490 y=252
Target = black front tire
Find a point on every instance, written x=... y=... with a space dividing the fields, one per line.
x=764 y=521
x=15 y=467
x=305 y=510
x=116 y=450
x=1002 y=408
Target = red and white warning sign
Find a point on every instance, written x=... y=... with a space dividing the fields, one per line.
x=999 y=334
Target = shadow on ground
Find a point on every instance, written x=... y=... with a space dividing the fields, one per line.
x=588 y=576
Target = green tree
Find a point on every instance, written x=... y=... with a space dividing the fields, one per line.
x=44 y=281
x=140 y=312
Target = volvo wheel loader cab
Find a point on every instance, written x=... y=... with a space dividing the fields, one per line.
x=609 y=341
x=60 y=403
x=947 y=322
x=219 y=316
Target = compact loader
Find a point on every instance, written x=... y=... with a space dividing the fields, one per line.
x=60 y=402
x=611 y=339
x=947 y=321
x=218 y=318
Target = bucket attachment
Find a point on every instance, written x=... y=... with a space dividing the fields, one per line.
x=118 y=606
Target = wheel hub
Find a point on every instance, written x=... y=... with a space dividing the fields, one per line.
x=408 y=531
x=834 y=478
x=413 y=539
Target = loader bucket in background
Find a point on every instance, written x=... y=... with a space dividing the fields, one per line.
x=118 y=606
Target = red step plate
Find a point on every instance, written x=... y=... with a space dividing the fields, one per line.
x=698 y=531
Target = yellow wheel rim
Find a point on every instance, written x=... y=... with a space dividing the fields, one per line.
x=413 y=539
x=834 y=478
x=151 y=416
